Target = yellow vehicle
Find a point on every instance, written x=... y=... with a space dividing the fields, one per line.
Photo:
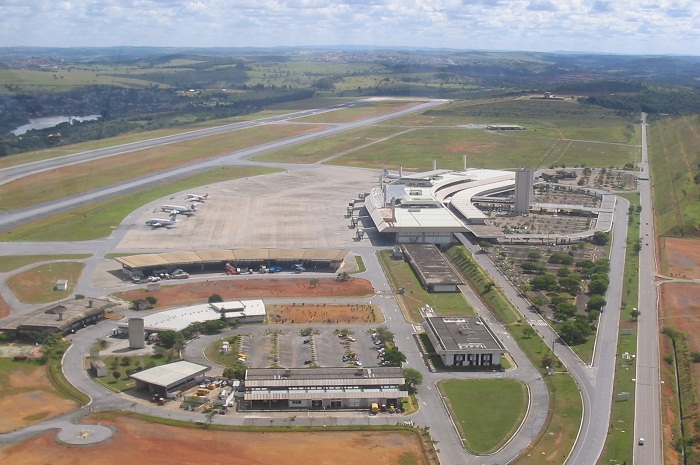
x=202 y=392
x=374 y=408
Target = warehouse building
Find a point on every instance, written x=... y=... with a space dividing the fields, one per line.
x=167 y=380
x=323 y=388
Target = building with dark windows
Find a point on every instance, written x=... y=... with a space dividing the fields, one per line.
x=464 y=341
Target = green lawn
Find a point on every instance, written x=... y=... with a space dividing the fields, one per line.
x=414 y=297
x=135 y=364
x=12 y=262
x=487 y=411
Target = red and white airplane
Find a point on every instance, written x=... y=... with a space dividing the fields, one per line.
x=197 y=197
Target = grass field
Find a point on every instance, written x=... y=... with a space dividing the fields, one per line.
x=99 y=219
x=37 y=285
x=315 y=151
x=12 y=262
x=619 y=444
x=487 y=411
x=73 y=179
x=675 y=160
x=63 y=80
x=414 y=297
x=125 y=366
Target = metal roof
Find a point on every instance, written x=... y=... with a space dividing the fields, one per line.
x=172 y=373
x=323 y=395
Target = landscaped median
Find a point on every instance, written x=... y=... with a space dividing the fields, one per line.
x=556 y=440
x=486 y=412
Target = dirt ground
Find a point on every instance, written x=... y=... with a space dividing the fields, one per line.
x=193 y=293
x=680 y=258
x=137 y=442
x=322 y=313
x=4 y=308
x=28 y=397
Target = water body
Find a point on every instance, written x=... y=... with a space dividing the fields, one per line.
x=51 y=121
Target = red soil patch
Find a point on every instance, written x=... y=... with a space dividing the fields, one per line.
x=680 y=304
x=140 y=442
x=680 y=257
x=321 y=313
x=238 y=288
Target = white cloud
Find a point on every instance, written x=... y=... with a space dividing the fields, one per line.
x=665 y=26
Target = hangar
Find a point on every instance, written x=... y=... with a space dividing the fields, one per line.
x=464 y=341
x=166 y=380
x=214 y=261
x=323 y=388
x=64 y=317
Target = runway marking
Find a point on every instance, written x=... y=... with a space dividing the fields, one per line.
x=537 y=322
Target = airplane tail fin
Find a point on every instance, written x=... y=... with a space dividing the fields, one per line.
x=173 y=216
x=385 y=172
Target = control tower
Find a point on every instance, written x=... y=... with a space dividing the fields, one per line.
x=524 y=181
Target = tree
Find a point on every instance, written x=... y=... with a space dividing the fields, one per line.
x=564 y=311
x=571 y=284
x=383 y=334
x=117 y=374
x=573 y=333
x=237 y=371
x=635 y=314
x=170 y=339
x=413 y=378
x=215 y=298
x=597 y=286
x=313 y=282
x=546 y=282
x=394 y=356
x=597 y=302
x=528 y=332
x=342 y=277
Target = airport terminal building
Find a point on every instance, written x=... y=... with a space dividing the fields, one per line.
x=431 y=207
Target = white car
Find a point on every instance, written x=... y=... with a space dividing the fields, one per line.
x=641 y=441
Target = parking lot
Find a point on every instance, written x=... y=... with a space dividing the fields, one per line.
x=318 y=346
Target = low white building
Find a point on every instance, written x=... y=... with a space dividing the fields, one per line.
x=177 y=319
x=464 y=341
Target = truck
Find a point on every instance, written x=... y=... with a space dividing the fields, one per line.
x=374 y=408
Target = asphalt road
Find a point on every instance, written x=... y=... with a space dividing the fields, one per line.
x=647 y=418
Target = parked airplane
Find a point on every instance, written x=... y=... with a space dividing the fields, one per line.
x=179 y=209
x=197 y=198
x=386 y=174
x=162 y=222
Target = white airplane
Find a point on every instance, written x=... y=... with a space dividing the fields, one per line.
x=162 y=222
x=386 y=174
x=197 y=198
x=179 y=209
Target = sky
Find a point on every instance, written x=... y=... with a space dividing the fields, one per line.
x=658 y=27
